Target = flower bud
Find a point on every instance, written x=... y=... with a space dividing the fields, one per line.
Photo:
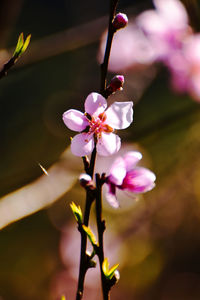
x=85 y=180
x=117 y=82
x=120 y=21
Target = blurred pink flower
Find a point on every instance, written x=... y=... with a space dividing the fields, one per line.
x=124 y=175
x=185 y=68
x=130 y=47
x=97 y=125
x=166 y=27
x=155 y=35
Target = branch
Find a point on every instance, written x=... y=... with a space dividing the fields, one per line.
x=111 y=31
x=90 y=196
x=19 y=50
x=101 y=229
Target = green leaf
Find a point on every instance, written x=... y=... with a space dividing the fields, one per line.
x=108 y=272
x=20 y=44
x=26 y=43
x=90 y=235
x=105 y=266
x=77 y=212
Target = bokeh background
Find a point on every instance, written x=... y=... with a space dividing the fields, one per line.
x=156 y=239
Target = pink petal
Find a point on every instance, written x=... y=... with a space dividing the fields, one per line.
x=120 y=115
x=139 y=180
x=95 y=104
x=110 y=194
x=117 y=171
x=75 y=120
x=171 y=10
x=82 y=144
x=129 y=47
x=131 y=158
x=108 y=144
x=151 y=23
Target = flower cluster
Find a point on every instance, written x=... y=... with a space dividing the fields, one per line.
x=96 y=135
x=96 y=127
x=161 y=35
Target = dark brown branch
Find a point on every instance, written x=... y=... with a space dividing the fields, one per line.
x=7 y=67
x=101 y=229
x=84 y=259
x=90 y=196
x=111 y=31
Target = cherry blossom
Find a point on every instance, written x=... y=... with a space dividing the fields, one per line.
x=126 y=176
x=154 y=35
x=97 y=124
x=166 y=27
x=185 y=68
x=130 y=48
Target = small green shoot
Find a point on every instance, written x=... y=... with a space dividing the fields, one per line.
x=108 y=272
x=90 y=235
x=21 y=45
x=77 y=212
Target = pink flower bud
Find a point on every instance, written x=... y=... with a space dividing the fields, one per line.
x=120 y=21
x=117 y=82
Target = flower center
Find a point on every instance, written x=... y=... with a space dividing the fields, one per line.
x=98 y=125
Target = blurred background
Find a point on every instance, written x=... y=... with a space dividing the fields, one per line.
x=156 y=240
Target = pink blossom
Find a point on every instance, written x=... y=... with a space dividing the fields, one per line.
x=185 y=69
x=166 y=27
x=126 y=176
x=130 y=48
x=97 y=125
x=154 y=35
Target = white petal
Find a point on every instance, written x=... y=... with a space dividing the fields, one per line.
x=117 y=171
x=95 y=104
x=110 y=195
x=82 y=144
x=151 y=23
x=131 y=158
x=75 y=120
x=108 y=144
x=120 y=115
x=171 y=10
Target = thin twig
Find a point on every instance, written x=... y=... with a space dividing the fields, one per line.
x=83 y=256
x=101 y=229
x=111 y=31
x=7 y=66
x=84 y=261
